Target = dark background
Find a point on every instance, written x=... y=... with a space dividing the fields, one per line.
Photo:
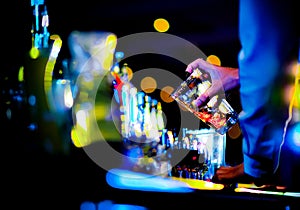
x=210 y=25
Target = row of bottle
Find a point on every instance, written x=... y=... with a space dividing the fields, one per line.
x=141 y=115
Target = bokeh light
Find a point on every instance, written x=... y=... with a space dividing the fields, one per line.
x=34 y=53
x=213 y=59
x=293 y=138
x=148 y=84
x=234 y=132
x=165 y=94
x=161 y=25
x=21 y=74
x=110 y=45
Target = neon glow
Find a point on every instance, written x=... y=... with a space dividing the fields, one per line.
x=34 y=53
x=21 y=74
x=200 y=184
x=124 y=179
x=49 y=69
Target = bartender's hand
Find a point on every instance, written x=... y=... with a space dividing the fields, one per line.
x=229 y=174
x=222 y=79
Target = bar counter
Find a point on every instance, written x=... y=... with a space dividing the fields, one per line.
x=180 y=193
x=42 y=181
x=137 y=189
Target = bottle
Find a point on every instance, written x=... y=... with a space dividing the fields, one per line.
x=147 y=117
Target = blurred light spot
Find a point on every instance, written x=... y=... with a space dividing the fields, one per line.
x=289 y=91
x=68 y=97
x=234 y=132
x=34 y=53
x=63 y=95
x=293 y=138
x=238 y=189
x=296 y=72
x=111 y=42
x=108 y=204
x=116 y=69
x=79 y=137
x=119 y=55
x=125 y=179
x=213 y=59
x=32 y=100
x=48 y=85
x=161 y=117
x=87 y=205
x=165 y=94
x=8 y=114
x=74 y=137
x=100 y=111
x=129 y=73
x=56 y=45
x=127 y=207
x=21 y=74
x=161 y=25
x=148 y=84
x=81 y=119
x=32 y=127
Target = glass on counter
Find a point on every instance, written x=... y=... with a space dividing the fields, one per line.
x=207 y=153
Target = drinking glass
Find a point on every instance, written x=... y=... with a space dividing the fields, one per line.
x=217 y=113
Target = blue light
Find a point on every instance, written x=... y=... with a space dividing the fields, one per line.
x=125 y=179
x=87 y=205
x=293 y=138
x=109 y=205
x=32 y=100
x=32 y=127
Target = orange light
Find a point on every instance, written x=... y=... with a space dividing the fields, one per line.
x=161 y=25
x=165 y=94
x=213 y=59
x=148 y=84
x=234 y=132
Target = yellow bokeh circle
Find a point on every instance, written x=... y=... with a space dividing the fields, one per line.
x=161 y=25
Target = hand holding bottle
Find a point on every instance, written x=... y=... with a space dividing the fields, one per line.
x=222 y=79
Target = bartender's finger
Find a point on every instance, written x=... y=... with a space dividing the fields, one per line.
x=194 y=65
x=202 y=100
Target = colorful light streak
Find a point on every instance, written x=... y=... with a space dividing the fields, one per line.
x=125 y=179
x=49 y=70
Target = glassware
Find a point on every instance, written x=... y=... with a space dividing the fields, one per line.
x=210 y=149
x=217 y=113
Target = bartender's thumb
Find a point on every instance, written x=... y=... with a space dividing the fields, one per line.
x=209 y=93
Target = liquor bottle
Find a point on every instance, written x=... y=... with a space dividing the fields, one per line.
x=147 y=117
x=160 y=119
x=140 y=113
x=125 y=109
x=154 y=125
